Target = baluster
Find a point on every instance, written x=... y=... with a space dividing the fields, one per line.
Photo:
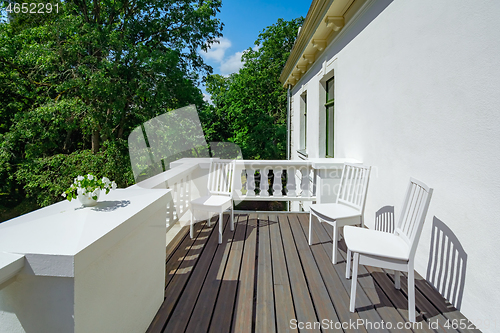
x=176 y=201
x=169 y=213
x=251 y=182
x=277 y=186
x=290 y=182
x=264 y=182
x=188 y=193
x=238 y=186
x=314 y=182
x=304 y=182
x=181 y=196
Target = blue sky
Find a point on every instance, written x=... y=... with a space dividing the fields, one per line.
x=243 y=21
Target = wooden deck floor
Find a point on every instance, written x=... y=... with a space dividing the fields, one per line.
x=264 y=277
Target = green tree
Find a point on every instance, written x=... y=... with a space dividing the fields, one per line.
x=82 y=78
x=250 y=106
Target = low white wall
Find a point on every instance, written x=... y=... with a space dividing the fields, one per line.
x=29 y=303
x=417 y=94
x=98 y=269
x=110 y=289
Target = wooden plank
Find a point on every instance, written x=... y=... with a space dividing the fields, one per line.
x=364 y=306
x=178 y=256
x=282 y=292
x=176 y=241
x=182 y=312
x=189 y=252
x=304 y=308
x=202 y=312
x=223 y=312
x=317 y=288
x=243 y=312
x=338 y=294
x=264 y=312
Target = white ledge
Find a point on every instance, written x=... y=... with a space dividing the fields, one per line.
x=50 y=238
x=10 y=265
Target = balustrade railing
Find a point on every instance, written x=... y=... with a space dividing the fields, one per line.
x=260 y=180
x=274 y=180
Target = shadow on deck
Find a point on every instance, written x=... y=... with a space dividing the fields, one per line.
x=264 y=277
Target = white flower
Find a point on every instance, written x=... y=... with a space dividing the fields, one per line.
x=105 y=180
x=80 y=178
x=64 y=194
x=72 y=186
x=90 y=177
x=95 y=193
x=113 y=185
x=80 y=191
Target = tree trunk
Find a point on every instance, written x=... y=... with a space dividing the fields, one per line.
x=95 y=142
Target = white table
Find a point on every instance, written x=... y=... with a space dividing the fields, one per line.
x=93 y=269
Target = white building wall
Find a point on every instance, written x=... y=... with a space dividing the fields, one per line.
x=418 y=95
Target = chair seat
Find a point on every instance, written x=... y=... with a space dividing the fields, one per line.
x=376 y=243
x=329 y=210
x=211 y=202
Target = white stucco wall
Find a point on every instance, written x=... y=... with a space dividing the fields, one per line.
x=417 y=94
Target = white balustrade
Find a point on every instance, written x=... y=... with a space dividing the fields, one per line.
x=284 y=171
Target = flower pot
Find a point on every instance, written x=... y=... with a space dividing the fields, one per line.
x=87 y=200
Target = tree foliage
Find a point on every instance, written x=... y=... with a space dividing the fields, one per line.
x=83 y=78
x=249 y=107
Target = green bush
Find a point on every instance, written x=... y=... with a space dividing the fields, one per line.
x=45 y=179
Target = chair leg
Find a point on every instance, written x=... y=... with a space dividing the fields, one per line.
x=411 y=295
x=397 y=279
x=354 y=282
x=348 y=265
x=209 y=219
x=220 y=227
x=310 y=228
x=335 y=244
x=232 y=219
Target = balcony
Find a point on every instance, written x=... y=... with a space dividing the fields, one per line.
x=264 y=277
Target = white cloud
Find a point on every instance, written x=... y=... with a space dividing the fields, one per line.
x=218 y=50
x=231 y=64
x=206 y=98
x=228 y=64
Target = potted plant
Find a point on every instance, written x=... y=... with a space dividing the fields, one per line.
x=88 y=188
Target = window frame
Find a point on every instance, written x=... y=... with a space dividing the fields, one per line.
x=303 y=125
x=330 y=102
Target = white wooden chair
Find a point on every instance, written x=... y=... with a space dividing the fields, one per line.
x=391 y=250
x=350 y=205
x=219 y=198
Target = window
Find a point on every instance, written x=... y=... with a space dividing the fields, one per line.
x=329 y=106
x=303 y=124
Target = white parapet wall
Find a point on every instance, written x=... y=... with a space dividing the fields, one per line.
x=93 y=269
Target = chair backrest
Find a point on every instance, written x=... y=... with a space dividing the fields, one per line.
x=412 y=217
x=221 y=177
x=353 y=186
